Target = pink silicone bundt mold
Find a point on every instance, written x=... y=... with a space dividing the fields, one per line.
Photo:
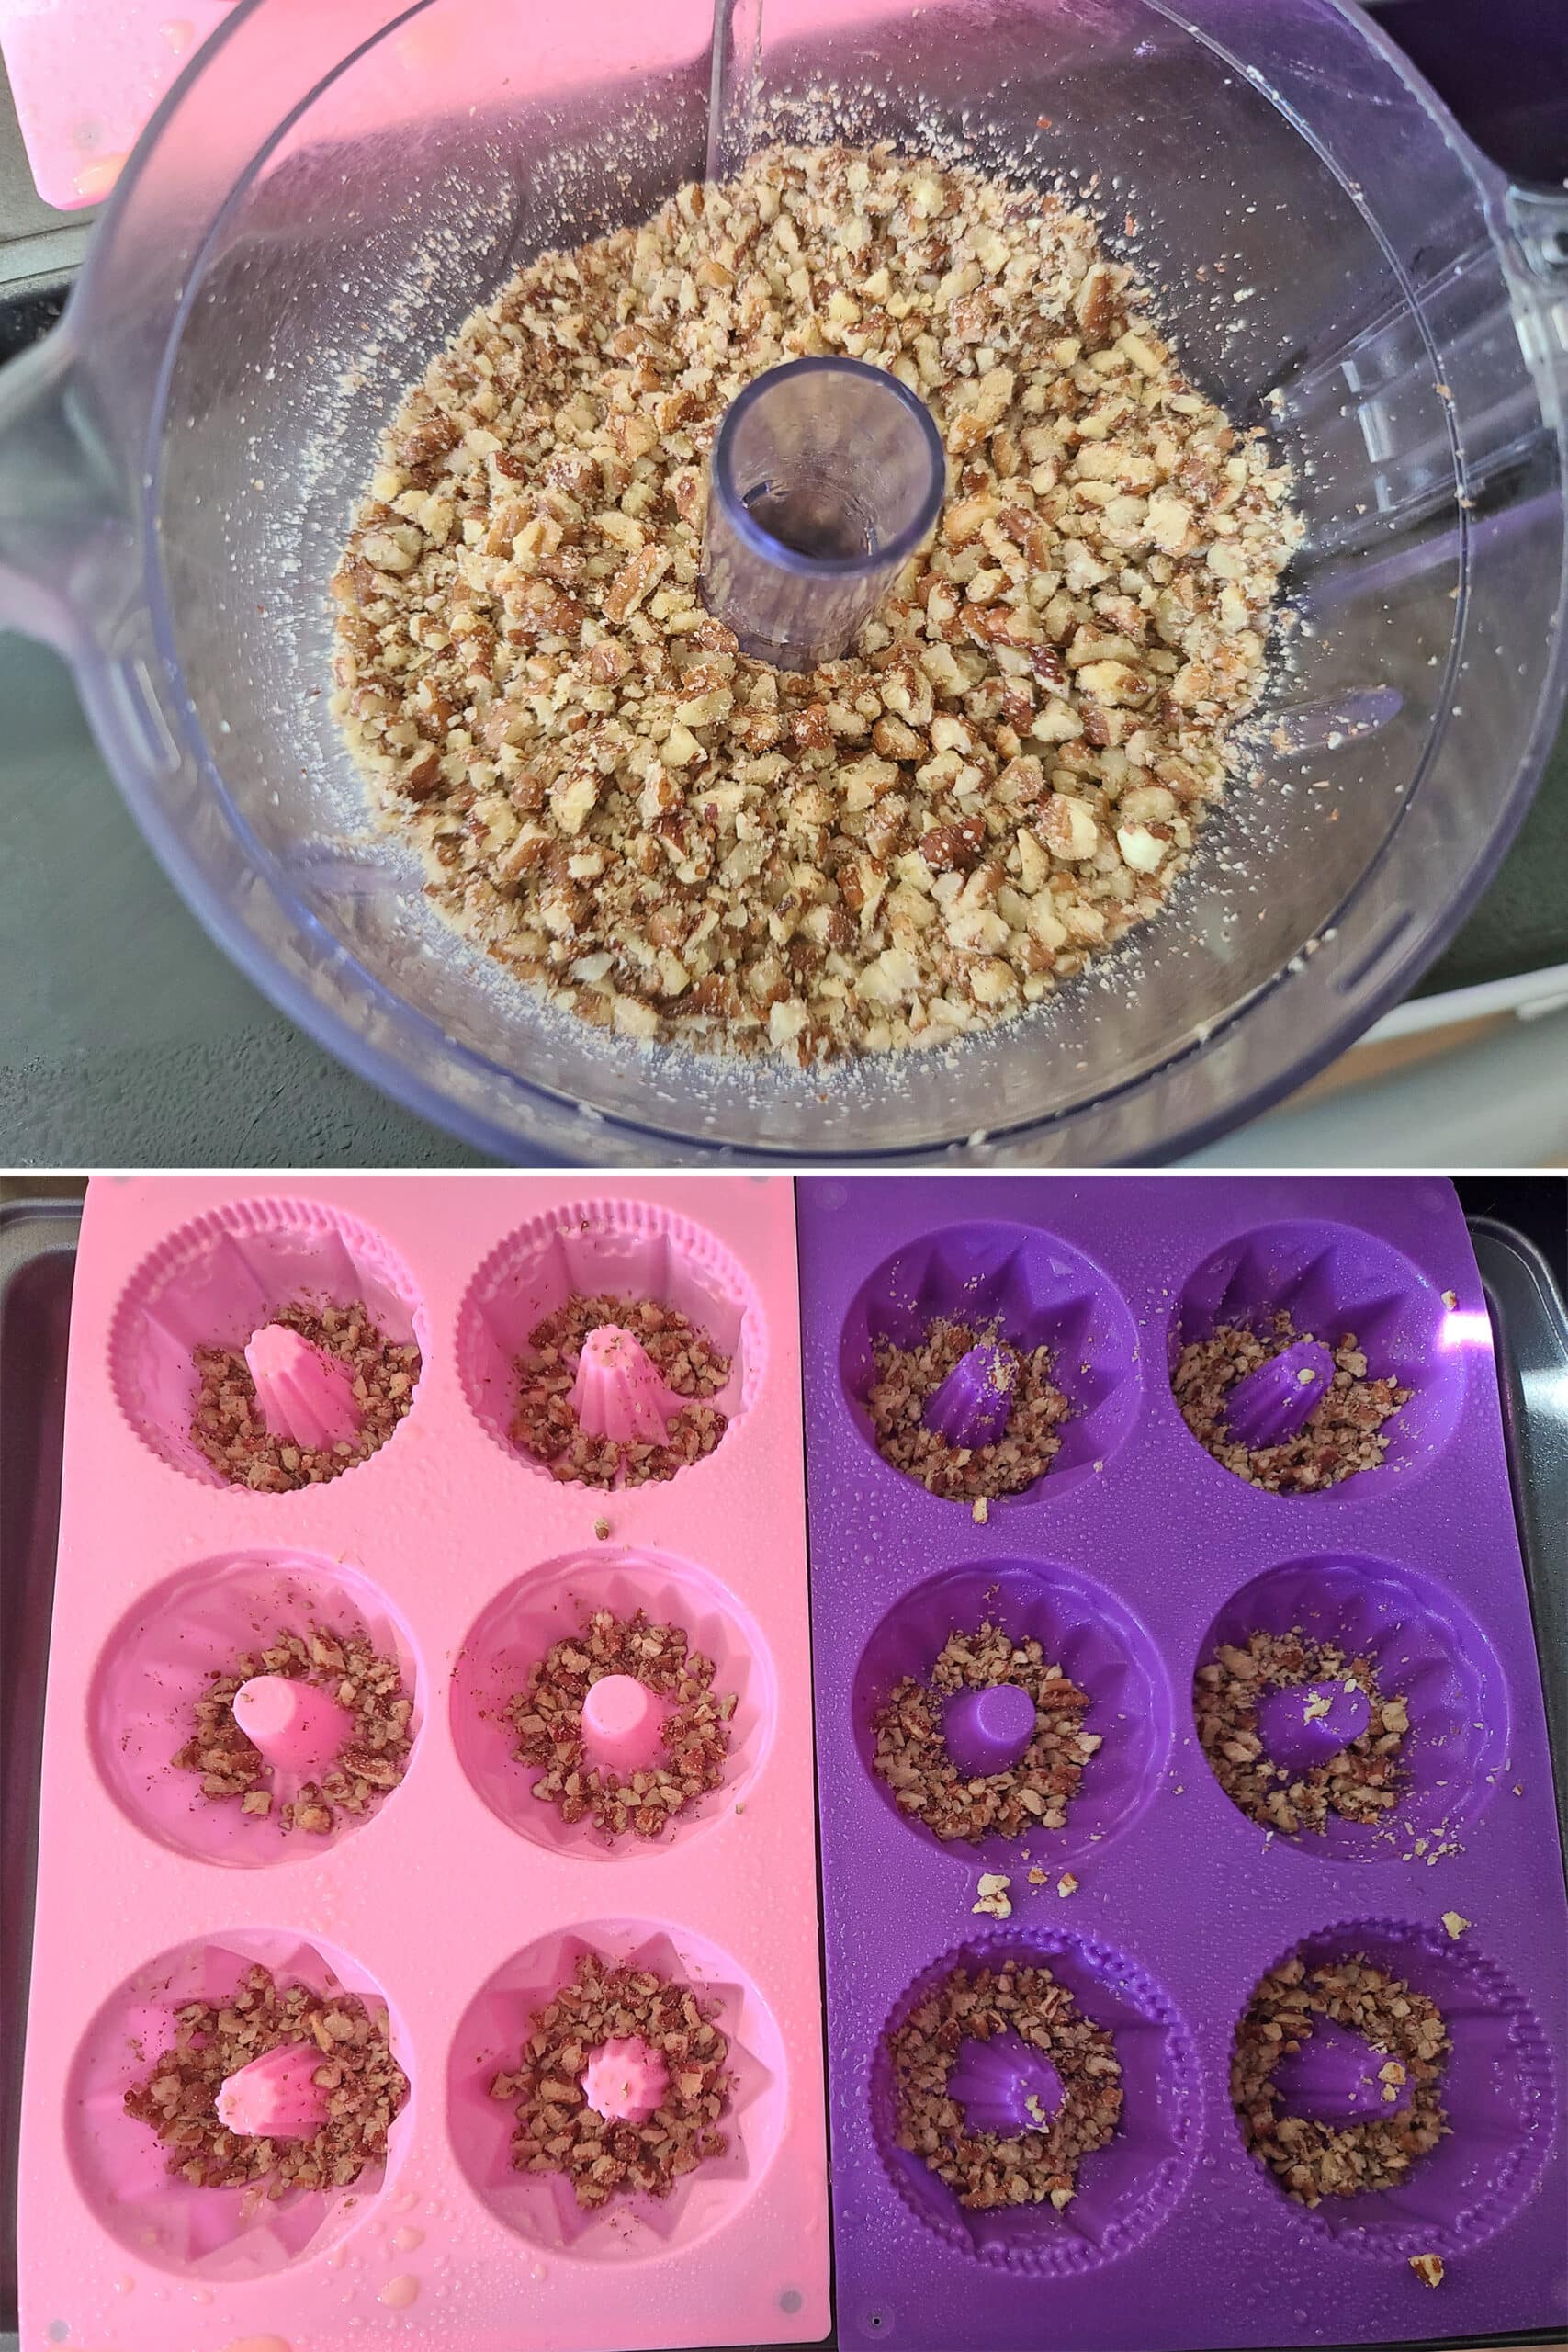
x=165 y=1650
x=1126 y=2189
x=540 y=2207
x=1332 y=1280
x=220 y=1280
x=1497 y=2090
x=1038 y=1291
x=218 y=2235
x=550 y=1603
x=1083 y=1627
x=1426 y=1648
x=632 y=1250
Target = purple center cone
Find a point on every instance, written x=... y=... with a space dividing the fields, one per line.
x=1309 y=1722
x=1337 y=2078
x=1271 y=1405
x=973 y=1404
x=986 y=1731
x=1005 y=2085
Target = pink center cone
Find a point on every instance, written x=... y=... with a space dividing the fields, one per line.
x=622 y=1719
x=275 y=2097
x=296 y=1727
x=304 y=1395
x=623 y=2081
x=617 y=1392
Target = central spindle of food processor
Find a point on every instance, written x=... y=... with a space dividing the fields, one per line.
x=827 y=476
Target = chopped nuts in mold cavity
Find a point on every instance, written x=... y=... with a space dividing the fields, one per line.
x=220 y=1278
x=537 y=1610
x=1037 y=1291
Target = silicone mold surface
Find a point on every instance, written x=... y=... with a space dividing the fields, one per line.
x=1175 y=1903
x=446 y=1547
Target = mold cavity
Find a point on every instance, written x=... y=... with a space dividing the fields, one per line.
x=554 y=1603
x=1024 y=1289
x=225 y=1279
x=1358 y=2088
x=1127 y=2184
x=160 y=1665
x=610 y=1403
x=1289 y=1284
x=1353 y=1706
x=542 y=2206
x=1083 y=1628
x=218 y=2234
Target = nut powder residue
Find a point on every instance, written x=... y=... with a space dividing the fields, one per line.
x=366 y=2088
x=1006 y=772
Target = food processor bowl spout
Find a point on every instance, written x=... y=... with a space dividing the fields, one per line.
x=67 y=547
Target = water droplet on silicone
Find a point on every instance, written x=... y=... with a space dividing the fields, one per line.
x=399 y=2293
x=58 y=2330
x=405 y=2201
x=201 y=2294
x=538 y=2270
x=125 y=2284
x=406 y=2239
x=337 y=2258
x=179 y=32
x=258 y=2344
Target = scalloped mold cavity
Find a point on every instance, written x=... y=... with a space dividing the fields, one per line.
x=223 y=1277
x=215 y=2235
x=1127 y=2189
x=165 y=1652
x=1082 y=1627
x=549 y=1603
x=540 y=2207
x=1497 y=2088
x=1038 y=1291
x=1333 y=1279
x=631 y=1248
x=1428 y=1649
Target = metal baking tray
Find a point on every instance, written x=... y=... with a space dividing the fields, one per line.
x=37 y=1259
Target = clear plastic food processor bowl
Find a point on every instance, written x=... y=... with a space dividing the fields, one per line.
x=336 y=182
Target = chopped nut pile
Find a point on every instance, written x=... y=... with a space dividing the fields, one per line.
x=373 y=1760
x=1034 y=1794
x=1007 y=770
x=907 y=1378
x=546 y=1426
x=985 y=2169
x=560 y=2133
x=1359 y=1781
x=365 y=2088
x=547 y=1716
x=1311 y=2159
x=229 y=1430
x=1344 y=1433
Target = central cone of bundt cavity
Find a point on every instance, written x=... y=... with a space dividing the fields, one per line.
x=276 y=2096
x=296 y=1727
x=303 y=1395
x=617 y=1392
x=1269 y=1406
x=986 y=1731
x=1337 y=2078
x=622 y=1719
x=1306 y=1723
x=1005 y=2085
x=624 y=2080
x=972 y=1406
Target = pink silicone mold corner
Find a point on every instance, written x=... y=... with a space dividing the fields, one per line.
x=222 y=1277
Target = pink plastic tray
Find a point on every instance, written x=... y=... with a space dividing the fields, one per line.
x=462 y=1901
x=86 y=75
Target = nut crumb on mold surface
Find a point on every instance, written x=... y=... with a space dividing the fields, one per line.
x=557 y=2132
x=1456 y=1924
x=546 y=1428
x=364 y=2086
x=1344 y=1433
x=907 y=1378
x=993 y=1893
x=986 y=2169
x=1005 y=774
x=1314 y=2159
x=694 y=1736
x=1428 y=2268
x=357 y=1677
x=229 y=1430
x=911 y=1751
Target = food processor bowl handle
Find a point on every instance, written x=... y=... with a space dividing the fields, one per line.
x=67 y=546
